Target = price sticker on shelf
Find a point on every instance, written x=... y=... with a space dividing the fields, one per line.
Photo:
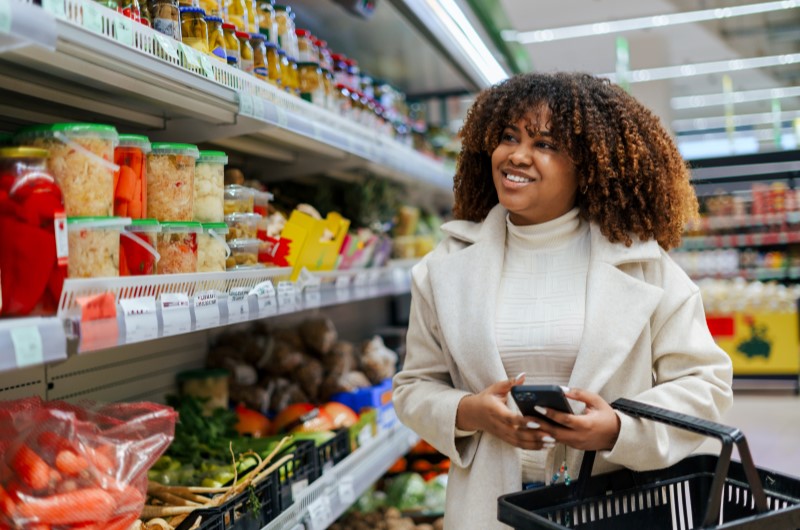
x=258 y=107
x=123 y=30
x=166 y=45
x=92 y=17
x=320 y=513
x=287 y=294
x=365 y=436
x=265 y=296
x=206 y=309
x=347 y=495
x=5 y=17
x=246 y=104
x=55 y=7
x=238 y=307
x=27 y=346
x=283 y=118
x=175 y=313
x=190 y=59
x=361 y=280
x=342 y=282
x=139 y=315
x=205 y=64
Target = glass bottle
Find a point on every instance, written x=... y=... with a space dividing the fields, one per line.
x=267 y=23
x=257 y=42
x=273 y=64
x=194 y=30
x=245 y=52
x=232 y=47
x=216 y=38
x=237 y=14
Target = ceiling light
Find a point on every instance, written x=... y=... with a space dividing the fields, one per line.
x=741 y=120
x=631 y=24
x=687 y=70
x=710 y=100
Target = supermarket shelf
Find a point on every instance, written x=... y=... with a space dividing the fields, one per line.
x=319 y=505
x=758 y=274
x=26 y=342
x=740 y=240
x=730 y=222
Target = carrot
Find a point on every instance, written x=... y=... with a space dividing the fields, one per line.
x=51 y=443
x=101 y=461
x=38 y=527
x=116 y=179
x=7 y=504
x=89 y=504
x=120 y=208
x=71 y=464
x=31 y=469
x=126 y=184
x=135 y=205
x=134 y=161
x=129 y=500
x=121 y=523
x=123 y=262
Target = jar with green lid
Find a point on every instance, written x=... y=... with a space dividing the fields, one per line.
x=212 y=249
x=82 y=162
x=245 y=52
x=170 y=181
x=312 y=88
x=137 y=248
x=216 y=38
x=177 y=246
x=257 y=42
x=273 y=64
x=166 y=17
x=267 y=24
x=307 y=51
x=94 y=246
x=231 y=42
x=287 y=39
x=209 y=187
x=237 y=14
x=194 y=30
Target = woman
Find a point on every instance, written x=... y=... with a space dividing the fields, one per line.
x=568 y=194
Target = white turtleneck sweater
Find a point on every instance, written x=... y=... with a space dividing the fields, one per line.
x=540 y=308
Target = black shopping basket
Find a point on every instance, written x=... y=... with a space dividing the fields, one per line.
x=701 y=491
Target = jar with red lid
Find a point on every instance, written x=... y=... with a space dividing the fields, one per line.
x=307 y=50
x=130 y=180
x=355 y=74
x=325 y=57
x=340 y=73
x=33 y=231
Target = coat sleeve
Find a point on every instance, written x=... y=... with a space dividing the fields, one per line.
x=691 y=375
x=424 y=395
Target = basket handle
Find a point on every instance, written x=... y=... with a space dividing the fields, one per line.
x=727 y=435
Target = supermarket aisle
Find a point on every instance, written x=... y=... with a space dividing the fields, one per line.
x=771 y=423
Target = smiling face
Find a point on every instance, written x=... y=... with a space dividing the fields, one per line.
x=535 y=178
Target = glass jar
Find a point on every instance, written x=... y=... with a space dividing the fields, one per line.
x=170 y=181
x=194 y=30
x=340 y=72
x=231 y=42
x=252 y=17
x=365 y=85
x=177 y=246
x=267 y=23
x=212 y=249
x=144 y=14
x=312 y=88
x=328 y=85
x=245 y=52
x=273 y=64
x=216 y=38
x=166 y=17
x=307 y=51
x=287 y=39
x=354 y=74
x=131 y=9
x=209 y=187
x=294 y=76
x=257 y=42
x=33 y=253
x=244 y=253
x=94 y=246
x=213 y=8
x=137 y=248
x=238 y=199
x=111 y=4
x=237 y=14
x=242 y=225
x=130 y=181
x=81 y=156
x=286 y=77
x=344 y=103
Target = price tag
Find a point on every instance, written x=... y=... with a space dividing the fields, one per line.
x=246 y=104
x=97 y=306
x=265 y=295
x=361 y=279
x=365 y=436
x=238 y=308
x=93 y=17
x=27 y=346
x=175 y=313
x=139 y=315
x=123 y=30
x=373 y=277
x=313 y=297
x=205 y=64
x=287 y=294
x=167 y=46
x=342 y=282
x=190 y=59
x=283 y=119
x=5 y=17
x=206 y=310
x=258 y=107
x=56 y=7
x=320 y=513
x=347 y=495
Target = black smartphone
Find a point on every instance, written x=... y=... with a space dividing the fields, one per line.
x=549 y=396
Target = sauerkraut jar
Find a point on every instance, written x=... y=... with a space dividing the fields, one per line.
x=130 y=180
x=177 y=246
x=242 y=225
x=212 y=249
x=209 y=187
x=81 y=160
x=94 y=246
x=170 y=181
x=137 y=248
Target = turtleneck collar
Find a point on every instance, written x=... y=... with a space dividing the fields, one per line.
x=547 y=235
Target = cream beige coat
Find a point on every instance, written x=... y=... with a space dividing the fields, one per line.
x=645 y=338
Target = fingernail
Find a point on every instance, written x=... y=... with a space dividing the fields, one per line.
x=540 y=410
x=548 y=446
x=565 y=389
x=520 y=376
x=532 y=425
x=548 y=439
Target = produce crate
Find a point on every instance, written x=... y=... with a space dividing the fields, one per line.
x=236 y=514
x=333 y=451
x=370 y=397
x=298 y=472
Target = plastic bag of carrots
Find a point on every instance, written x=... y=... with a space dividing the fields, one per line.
x=68 y=467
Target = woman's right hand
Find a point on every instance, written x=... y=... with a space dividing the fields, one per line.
x=488 y=411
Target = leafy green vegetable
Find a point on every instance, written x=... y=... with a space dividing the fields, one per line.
x=200 y=438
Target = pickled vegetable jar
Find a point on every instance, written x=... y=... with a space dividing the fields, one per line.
x=307 y=51
x=170 y=181
x=244 y=253
x=212 y=249
x=237 y=14
x=130 y=180
x=94 y=246
x=213 y=8
x=166 y=17
x=33 y=253
x=330 y=91
x=261 y=203
x=312 y=88
x=231 y=42
x=257 y=42
x=216 y=38
x=267 y=24
x=273 y=64
x=325 y=57
x=137 y=248
x=177 y=246
x=238 y=199
x=131 y=9
x=81 y=160
x=294 y=76
x=286 y=70
x=194 y=30
x=252 y=17
x=287 y=39
x=242 y=225
x=209 y=187
x=245 y=52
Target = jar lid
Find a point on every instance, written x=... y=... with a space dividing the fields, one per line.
x=237 y=189
x=70 y=129
x=322 y=43
x=175 y=149
x=212 y=157
x=23 y=152
x=244 y=244
x=211 y=18
x=239 y=217
x=291 y=59
x=144 y=225
x=192 y=227
x=242 y=35
x=257 y=36
x=337 y=57
x=279 y=7
x=308 y=63
x=134 y=140
x=203 y=373
x=302 y=33
x=228 y=25
x=82 y=223
x=326 y=71
x=220 y=228
x=270 y=45
x=282 y=53
x=232 y=59
x=192 y=9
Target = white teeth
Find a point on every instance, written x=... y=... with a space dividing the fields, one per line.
x=516 y=178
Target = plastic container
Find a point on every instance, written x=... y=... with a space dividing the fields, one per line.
x=312 y=88
x=231 y=42
x=194 y=30
x=137 y=248
x=261 y=201
x=216 y=39
x=237 y=14
x=130 y=180
x=208 y=385
x=33 y=253
x=307 y=51
x=239 y=199
x=258 y=43
x=170 y=181
x=94 y=246
x=244 y=253
x=246 y=62
x=81 y=156
x=209 y=187
x=242 y=225
x=287 y=39
x=273 y=64
x=177 y=245
x=212 y=249
x=166 y=17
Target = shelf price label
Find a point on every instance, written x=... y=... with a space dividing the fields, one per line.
x=92 y=17
x=175 y=313
x=283 y=119
x=342 y=282
x=56 y=7
x=265 y=296
x=206 y=309
x=5 y=17
x=258 y=107
x=139 y=315
x=238 y=307
x=27 y=346
x=246 y=105
x=123 y=30
x=189 y=56
x=166 y=45
x=287 y=294
x=320 y=513
x=205 y=64
x=347 y=495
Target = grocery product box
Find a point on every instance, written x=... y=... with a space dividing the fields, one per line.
x=373 y=396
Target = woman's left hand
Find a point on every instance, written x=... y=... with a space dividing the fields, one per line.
x=594 y=430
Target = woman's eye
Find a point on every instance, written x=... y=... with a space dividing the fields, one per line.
x=545 y=145
x=507 y=137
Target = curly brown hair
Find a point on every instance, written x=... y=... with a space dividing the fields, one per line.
x=631 y=178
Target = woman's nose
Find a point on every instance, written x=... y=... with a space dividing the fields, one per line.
x=520 y=157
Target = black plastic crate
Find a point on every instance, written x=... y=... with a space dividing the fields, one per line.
x=298 y=472
x=333 y=451
x=236 y=513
